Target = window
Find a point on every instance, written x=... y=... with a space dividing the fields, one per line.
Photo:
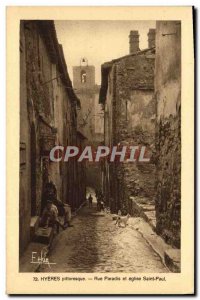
x=22 y=155
x=83 y=76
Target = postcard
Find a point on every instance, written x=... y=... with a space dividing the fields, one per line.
x=100 y=150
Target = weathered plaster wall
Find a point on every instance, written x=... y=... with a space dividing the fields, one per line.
x=25 y=166
x=99 y=118
x=90 y=77
x=86 y=120
x=47 y=118
x=89 y=122
x=130 y=120
x=168 y=130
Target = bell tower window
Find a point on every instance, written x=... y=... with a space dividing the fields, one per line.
x=83 y=76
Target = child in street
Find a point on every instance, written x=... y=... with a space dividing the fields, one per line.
x=50 y=216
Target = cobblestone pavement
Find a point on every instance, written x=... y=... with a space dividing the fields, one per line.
x=96 y=244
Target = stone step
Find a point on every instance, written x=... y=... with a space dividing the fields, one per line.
x=148 y=207
x=44 y=235
x=150 y=217
x=173 y=259
x=144 y=210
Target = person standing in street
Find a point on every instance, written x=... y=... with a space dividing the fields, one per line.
x=90 y=201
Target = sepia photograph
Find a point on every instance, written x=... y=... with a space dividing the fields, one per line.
x=100 y=150
x=100 y=146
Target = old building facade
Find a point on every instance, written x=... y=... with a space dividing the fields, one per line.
x=168 y=130
x=141 y=94
x=48 y=117
x=127 y=93
x=90 y=114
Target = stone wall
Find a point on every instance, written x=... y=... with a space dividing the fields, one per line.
x=130 y=120
x=47 y=118
x=89 y=121
x=89 y=81
x=168 y=130
x=88 y=117
x=25 y=166
x=86 y=121
x=99 y=118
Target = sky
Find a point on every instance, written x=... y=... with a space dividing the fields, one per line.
x=98 y=41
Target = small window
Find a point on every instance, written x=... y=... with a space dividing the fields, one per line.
x=83 y=76
x=22 y=155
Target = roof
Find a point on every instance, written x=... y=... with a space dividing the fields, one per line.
x=106 y=67
x=48 y=33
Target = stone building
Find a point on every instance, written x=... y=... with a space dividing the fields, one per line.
x=90 y=114
x=168 y=130
x=127 y=94
x=48 y=117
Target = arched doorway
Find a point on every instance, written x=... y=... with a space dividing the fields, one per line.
x=33 y=170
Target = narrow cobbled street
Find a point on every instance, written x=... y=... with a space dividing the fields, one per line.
x=96 y=244
x=106 y=124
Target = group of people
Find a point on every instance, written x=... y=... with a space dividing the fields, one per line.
x=100 y=200
x=54 y=208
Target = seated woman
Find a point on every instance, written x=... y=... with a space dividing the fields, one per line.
x=50 y=216
x=63 y=210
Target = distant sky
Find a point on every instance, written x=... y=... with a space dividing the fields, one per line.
x=98 y=41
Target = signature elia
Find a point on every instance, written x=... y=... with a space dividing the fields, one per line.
x=41 y=258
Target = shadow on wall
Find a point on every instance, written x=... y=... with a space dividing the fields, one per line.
x=93 y=173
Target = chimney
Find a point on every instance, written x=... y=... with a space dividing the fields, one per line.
x=133 y=42
x=151 y=38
